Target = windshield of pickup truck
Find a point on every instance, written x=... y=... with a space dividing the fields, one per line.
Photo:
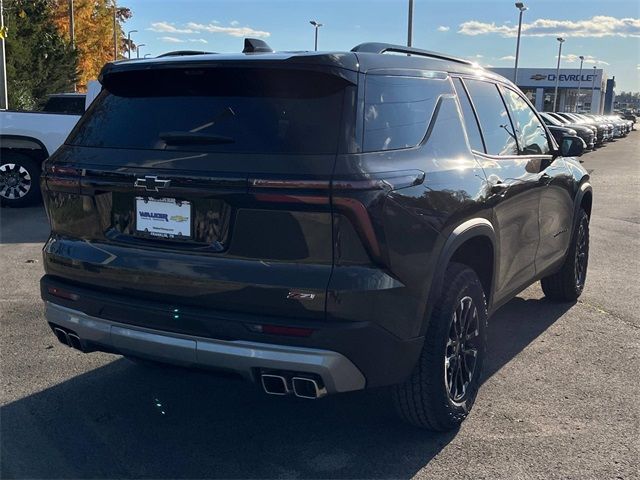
x=244 y=110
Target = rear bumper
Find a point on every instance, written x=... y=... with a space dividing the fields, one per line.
x=338 y=373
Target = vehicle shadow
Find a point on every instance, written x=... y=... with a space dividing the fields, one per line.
x=23 y=225
x=125 y=420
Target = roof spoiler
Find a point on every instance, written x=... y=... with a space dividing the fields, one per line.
x=375 y=47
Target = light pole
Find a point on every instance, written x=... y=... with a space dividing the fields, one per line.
x=593 y=91
x=555 y=95
x=138 y=49
x=147 y=55
x=410 y=24
x=522 y=7
x=316 y=25
x=581 y=57
x=129 y=41
x=72 y=25
x=115 y=31
x=4 y=102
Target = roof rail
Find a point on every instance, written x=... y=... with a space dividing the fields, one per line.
x=182 y=53
x=375 y=47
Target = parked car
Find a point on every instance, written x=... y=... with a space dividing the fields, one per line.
x=28 y=138
x=605 y=131
x=559 y=130
x=70 y=103
x=315 y=222
x=598 y=131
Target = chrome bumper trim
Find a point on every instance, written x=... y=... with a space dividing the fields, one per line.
x=337 y=371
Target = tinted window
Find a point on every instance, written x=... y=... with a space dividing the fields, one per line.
x=532 y=137
x=497 y=131
x=68 y=104
x=470 y=122
x=398 y=110
x=217 y=110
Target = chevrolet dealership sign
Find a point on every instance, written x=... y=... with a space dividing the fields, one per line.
x=546 y=77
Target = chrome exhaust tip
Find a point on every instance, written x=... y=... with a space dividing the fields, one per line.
x=74 y=341
x=274 y=384
x=304 y=387
x=62 y=336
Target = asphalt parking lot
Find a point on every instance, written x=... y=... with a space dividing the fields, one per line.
x=561 y=397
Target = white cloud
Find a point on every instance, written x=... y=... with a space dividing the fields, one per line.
x=198 y=40
x=233 y=31
x=166 y=27
x=234 y=23
x=573 y=58
x=172 y=39
x=597 y=27
x=508 y=58
x=443 y=28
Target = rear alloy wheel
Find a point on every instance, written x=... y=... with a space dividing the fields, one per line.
x=567 y=284
x=443 y=386
x=19 y=180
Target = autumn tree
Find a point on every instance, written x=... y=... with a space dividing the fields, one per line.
x=39 y=60
x=94 y=25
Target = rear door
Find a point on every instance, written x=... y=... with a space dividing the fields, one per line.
x=205 y=187
x=514 y=188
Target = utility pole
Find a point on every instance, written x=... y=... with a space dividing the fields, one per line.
x=4 y=102
x=115 y=31
x=579 y=81
x=410 y=24
x=593 y=91
x=522 y=7
x=555 y=95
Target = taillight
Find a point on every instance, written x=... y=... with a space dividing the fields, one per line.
x=62 y=178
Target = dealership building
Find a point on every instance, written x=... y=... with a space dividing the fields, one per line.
x=596 y=91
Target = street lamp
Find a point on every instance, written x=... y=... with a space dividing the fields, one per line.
x=555 y=95
x=593 y=91
x=522 y=7
x=581 y=57
x=129 y=41
x=410 y=24
x=316 y=25
x=147 y=55
x=138 y=49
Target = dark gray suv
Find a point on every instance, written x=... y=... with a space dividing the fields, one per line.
x=315 y=222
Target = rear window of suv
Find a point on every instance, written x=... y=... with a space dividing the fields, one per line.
x=242 y=110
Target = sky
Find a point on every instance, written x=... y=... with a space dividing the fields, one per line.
x=606 y=32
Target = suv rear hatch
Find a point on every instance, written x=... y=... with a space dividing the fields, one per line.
x=203 y=186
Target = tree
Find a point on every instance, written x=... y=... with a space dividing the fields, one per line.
x=93 y=33
x=39 y=60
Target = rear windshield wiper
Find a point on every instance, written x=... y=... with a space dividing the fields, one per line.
x=189 y=138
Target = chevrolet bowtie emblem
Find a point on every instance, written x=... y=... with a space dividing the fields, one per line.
x=151 y=183
x=538 y=76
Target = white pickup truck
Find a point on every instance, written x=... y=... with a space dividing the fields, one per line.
x=28 y=138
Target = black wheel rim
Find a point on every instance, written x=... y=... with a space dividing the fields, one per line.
x=15 y=181
x=581 y=256
x=461 y=356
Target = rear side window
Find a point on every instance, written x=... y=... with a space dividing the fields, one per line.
x=398 y=110
x=498 y=133
x=73 y=105
x=470 y=122
x=234 y=110
x=532 y=136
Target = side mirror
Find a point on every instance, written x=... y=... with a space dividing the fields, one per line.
x=572 y=147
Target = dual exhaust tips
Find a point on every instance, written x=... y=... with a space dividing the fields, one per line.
x=70 y=339
x=303 y=387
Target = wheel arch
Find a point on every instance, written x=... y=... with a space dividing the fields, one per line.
x=23 y=144
x=584 y=199
x=462 y=246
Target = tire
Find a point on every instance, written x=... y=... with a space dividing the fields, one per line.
x=429 y=398
x=19 y=179
x=567 y=284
